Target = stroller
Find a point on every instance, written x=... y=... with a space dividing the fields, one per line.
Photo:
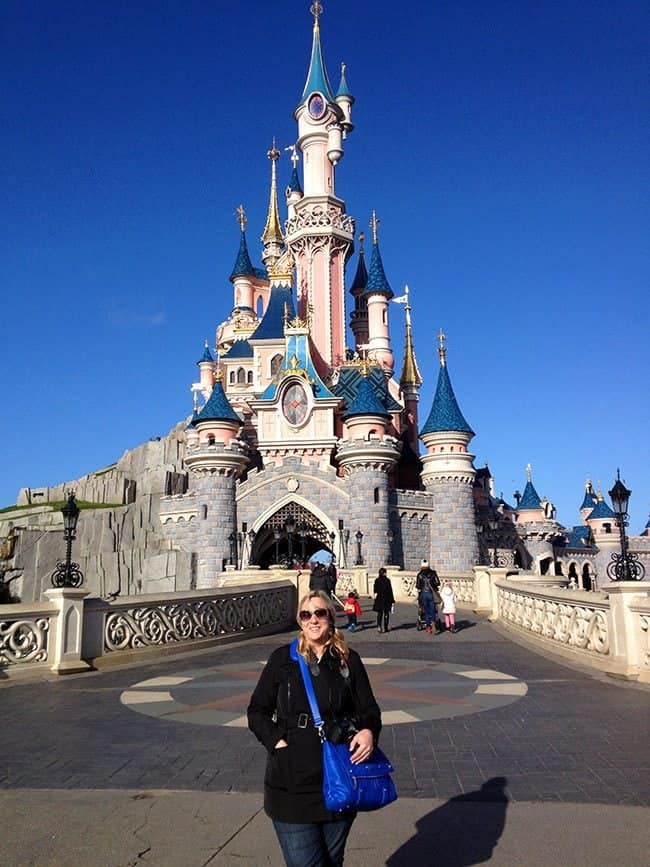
x=422 y=623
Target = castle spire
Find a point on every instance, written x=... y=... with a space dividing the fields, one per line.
x=317 y=80
x=243 y=266
x=272 y=237
x=410 y=372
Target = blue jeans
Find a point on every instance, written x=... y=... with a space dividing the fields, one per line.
x=313 y=844
x=426 y=601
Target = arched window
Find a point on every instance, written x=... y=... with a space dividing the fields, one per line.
x=259 y=307
x=376 y=495
x=211 y=439
x=249 y=377
x=231 y=377
x=276 y=364
x=204 y=512
x=241 y=376
x=607 y=528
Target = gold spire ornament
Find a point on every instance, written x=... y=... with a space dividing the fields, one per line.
x=316 y=10
x=272 y=237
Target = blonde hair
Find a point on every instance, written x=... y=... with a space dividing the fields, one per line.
x=336 y=642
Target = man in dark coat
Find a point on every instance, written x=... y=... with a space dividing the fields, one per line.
x=384 y=599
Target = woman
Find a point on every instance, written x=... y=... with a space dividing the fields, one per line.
x=384 y=599
x=279 y=716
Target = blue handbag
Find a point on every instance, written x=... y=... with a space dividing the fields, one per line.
x=362 y=787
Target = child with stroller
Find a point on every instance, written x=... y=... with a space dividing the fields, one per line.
x=352 y=608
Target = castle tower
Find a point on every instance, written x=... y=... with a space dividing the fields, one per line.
x=206 y=367
x=377 y=295
x=448 y=474
x=215 y=458
x=604 y=527
x=367 y=457
x=536 y=526
x=359 y=315
x=320 y=234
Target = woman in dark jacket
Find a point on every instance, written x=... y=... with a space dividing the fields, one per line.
x=384 y=599
x=279 y=716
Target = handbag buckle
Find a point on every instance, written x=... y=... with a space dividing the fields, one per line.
x=303 y=720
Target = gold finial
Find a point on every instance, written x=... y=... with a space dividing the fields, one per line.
x=374 y=225
x=286 y=314
x=442 y=351
x=195 y=402
x=362 y=238
x=529 y=473
x=218 y=376
x=274 y=153
x=240 y=213
x=316 y=10
x=342 y=69
x=364 y=366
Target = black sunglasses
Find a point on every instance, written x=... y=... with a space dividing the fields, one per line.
x=319 y=613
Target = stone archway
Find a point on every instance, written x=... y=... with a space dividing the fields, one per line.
x=274 y=543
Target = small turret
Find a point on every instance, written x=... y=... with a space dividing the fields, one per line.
x=293 y=192
x=529 y=507
x=589 y=501
x=206 y=366
x=345 y=100
x=366 y=415
x=359 y=315
x=377 y=295
x=217 y=420
x=243 y=273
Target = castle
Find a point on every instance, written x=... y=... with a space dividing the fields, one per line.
x=305 y=432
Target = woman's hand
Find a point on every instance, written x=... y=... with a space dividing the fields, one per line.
x=281 y=744
x=361 y=746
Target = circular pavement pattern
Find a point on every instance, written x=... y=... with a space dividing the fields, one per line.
x=407 y=690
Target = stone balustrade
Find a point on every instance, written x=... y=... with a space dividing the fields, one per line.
x=608 y=630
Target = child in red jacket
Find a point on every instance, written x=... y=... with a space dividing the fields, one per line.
x=352 y=609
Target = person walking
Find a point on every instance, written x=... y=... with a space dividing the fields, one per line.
x=427 y=584
x=449 y=605
x=319 y=580
x=279 y=716
x=384 y=599
x=352 y=608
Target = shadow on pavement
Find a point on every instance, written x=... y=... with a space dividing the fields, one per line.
x=462 y=832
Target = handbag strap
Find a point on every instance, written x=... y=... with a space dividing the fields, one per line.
x=309 y=688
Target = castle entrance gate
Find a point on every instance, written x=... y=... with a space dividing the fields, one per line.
x=289 y=538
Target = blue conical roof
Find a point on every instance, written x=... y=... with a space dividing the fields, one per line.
x=445 y=413
x=217 y=408
x=601 y=510
x=377 y=280
x=343 y=90
x=207 y=356
x=530 y=498
x=365 y=402
x=243 y=266
x=317 y=79
x=272 y=324
x=590 y=498
x=294 y=182
x=361 y=276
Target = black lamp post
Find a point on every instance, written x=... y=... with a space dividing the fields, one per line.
x=493 y=524
x=624 y=566
x=251 y=539
x=359 y=537
x=68 y=574
x=346 y=542
x=302 y=535
x=276 y=535
x=290 y=527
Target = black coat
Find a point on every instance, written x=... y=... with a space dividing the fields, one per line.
x=383 y=590
x=293 y=780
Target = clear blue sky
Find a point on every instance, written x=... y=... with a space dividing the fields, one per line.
x=503 y=144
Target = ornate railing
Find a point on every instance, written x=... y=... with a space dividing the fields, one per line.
x=147 y=624
x=566 y=622
x=24 y=639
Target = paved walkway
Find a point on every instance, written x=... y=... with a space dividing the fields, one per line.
x=501 y=755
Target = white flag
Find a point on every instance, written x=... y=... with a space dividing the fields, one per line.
x=403 y=299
